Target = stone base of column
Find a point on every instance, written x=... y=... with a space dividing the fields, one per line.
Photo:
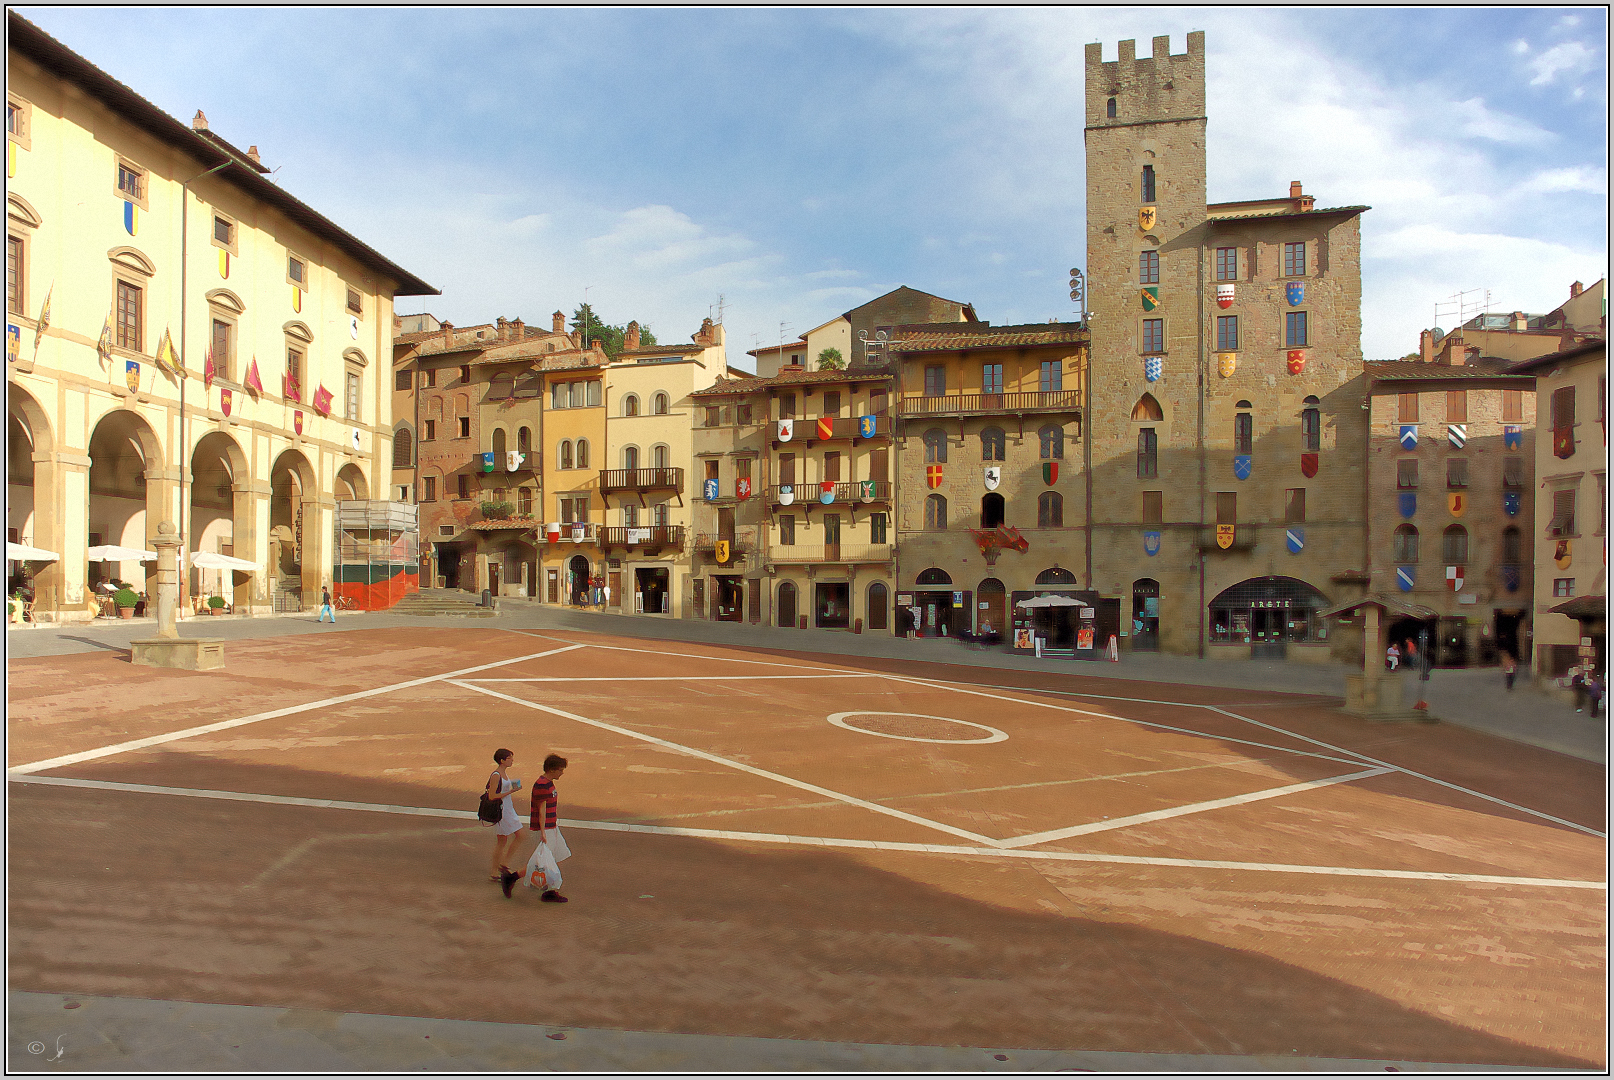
x=1378 y=699
x=187 y=654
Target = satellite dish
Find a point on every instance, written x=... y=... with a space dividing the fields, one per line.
x=1439 y=333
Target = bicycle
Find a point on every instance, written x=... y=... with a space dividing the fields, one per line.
x=347 y=603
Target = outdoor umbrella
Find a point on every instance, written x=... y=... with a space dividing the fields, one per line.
x=1050 y=601
x=114 y=553
x=24 y=553
x=212 y=560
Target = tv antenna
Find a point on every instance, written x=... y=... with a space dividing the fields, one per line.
x=1461 y=307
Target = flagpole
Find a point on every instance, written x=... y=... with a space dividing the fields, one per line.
x=184 y=446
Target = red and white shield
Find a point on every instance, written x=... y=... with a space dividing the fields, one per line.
x=1224 y=296
x=1454 y=578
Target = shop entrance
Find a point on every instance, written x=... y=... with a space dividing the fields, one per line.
x=1266 y=614
x=448 y=564
x=728 y=598
x=1510 y=636
x=832 y=608
x=1146 y=615
x=577 y=580
x=651 y=591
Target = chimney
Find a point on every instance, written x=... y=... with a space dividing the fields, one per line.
x=1452 y=350
x=1575 y=290
x=448 y=334
x=199 y=121
x=1519 y=322
x=1426 y=346
x=252 y=152
x=630 y=338
x=1294 y=189
x=560 y=322
x=520 y=331
x=703 y=336
x=575 y=337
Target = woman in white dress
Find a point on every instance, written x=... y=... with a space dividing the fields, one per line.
x=501 y=786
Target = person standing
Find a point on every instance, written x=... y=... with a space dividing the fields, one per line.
x=501 y=787
x=325 y=604
x=1577 y=683
x=1510 y=668
x=1594 y=691
x=545 y=815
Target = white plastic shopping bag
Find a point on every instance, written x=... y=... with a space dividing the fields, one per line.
x=542 y=873
x=557 y=845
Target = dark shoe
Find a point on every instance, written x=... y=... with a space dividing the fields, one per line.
x=507 y=880
x=553 y=897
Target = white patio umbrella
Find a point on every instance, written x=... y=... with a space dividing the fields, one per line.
x=212 y=560
x=114 y=553
x=24 y=553
x=1050 y=601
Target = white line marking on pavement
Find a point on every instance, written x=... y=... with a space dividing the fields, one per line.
x=687 y=656
x=673 y=678
x=834 y=842
x=1180 y=811
x=703 y=755
x=224 y=725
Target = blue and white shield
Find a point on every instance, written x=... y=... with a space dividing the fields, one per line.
x=1510 y=578
x=1510 y=503
x=865 y=427
x=1153 y=368
x=1407 y=503
x=710 y=490
x=1241 y=466
x=787 y=494
x=1409 y=436
x=1151 y=543
x=1297 y=293
x=1403 y=577
x=1512 y=436
x=1296 y=539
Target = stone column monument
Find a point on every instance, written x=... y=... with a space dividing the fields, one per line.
x=168 y=649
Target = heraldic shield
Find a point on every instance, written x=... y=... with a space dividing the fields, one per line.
x=1241 y=466
x=1564 y=556
x=297 y=421
x=866 y=427
x=1456 y=502
x=1296 y=293
x=488 y=462
x=826 y=427
x=1151 y=543
x=131 y=375
x=1308 y=465
x=1454 y=578
x=1147 y=216
x=787 y=428
x=742 y=487
x=933 y=476
x=1510 y=578
x=1224 y=536
x=1510 y=503
x=1050 y=473
x=1150 y=297
x=226 y=400
x=709 y=490
x=722 y=552
x=1224 y=295
x=1404 y=577
x=1297 y=361
x=787 y=494
x=1407 y=503
x=826 y=492
x=1226 y=364
x=867 y=490
x=1409 y=436
x=1153 y=368
x=1295 y=539
x=1512 y=436
x=993 y=476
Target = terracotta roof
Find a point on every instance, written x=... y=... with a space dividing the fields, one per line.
x=531 y=348
x=659 y=350
x=1485 y=367
x=1583 y=607
x=753 y=383
x=1574 y=352
x=572 y=360
x=1352 y=210
x=507 y=523
x=998 y=337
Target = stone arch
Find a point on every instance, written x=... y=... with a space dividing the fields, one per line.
x=403 y=445
x=1056 y=575
x=879 y=606
x=31 y=469
x=229 y=301
x=787 y=604
x=219 y=513
x=295 y=547
x=355 y=356
x=130 y=489
x=351 y=483
x=133 y=260
x=935 y=575
x=299 y=330
x=22 y=211
x=1148 y=409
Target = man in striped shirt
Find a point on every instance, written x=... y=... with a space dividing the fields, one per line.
x=546 y=810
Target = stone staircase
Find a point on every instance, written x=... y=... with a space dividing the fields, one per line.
x=447 y=602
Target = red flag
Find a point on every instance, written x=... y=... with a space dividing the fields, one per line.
x=322 y=400
x=253 y=382
x=208 y=371
x=289 y=388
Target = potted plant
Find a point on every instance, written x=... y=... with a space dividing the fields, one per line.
x=126 y=599
x=216 y=605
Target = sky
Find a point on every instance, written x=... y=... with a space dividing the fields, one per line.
x=798 y=163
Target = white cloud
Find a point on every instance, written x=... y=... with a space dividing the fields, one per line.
x=1481 y=122
x=1588 y=178
x=1571 y=57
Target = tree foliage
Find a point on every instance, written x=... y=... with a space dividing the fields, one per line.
x=587 y=323
x=831 y=359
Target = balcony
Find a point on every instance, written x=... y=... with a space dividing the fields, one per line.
x=572 y=532
x=641 y=480
x=844 y=493
x=744 y=542
x=844 y=427
x=987 y=404
x=830 y=553
x=650 y=537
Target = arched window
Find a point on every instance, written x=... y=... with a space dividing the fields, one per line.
x=992 y=440
x=933 y=576
x=524 y=440
x=787 y=604
x=565 y=455
x=658 y=456
x=879 y=607
x=1406 y=544
x=498 y=448
x=935 y=445
x=1148 y=183
x=403 y=448
x=1243 y=431
x=659 y=404
x=1147 y=408
x=630 y=405
x=1051 y=440
x=1050 y=510
x=582 y=453
x=630 y=457
x=935 y=512
x=1454 y=545
x=1512 y=545
x=1311 y=425
x=1056 y=575
x=1109 y=109
x=991 y=510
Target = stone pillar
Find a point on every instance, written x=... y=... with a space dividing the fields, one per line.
x=167 y=543
x=168 y=649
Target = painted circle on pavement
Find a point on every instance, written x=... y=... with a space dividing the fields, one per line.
x=993 y=735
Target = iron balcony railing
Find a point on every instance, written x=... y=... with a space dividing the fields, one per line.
x=843 y=493
x=641 y=479
x=649 y=536
x=967 y=404
x=744 y=542
x=820 y=553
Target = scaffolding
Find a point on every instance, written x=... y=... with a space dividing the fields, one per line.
x=377 y=553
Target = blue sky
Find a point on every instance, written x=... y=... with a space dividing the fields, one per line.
x=801 y=162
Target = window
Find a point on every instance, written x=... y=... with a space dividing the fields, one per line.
x=713 y=415
x=1512 y=545
x=787 y=530
x=1227 y=333
x=429 y=377
x=877 y=402
x=630 y=516
x=431 y=431
x=1407 y=408
x=565 y=455
x=630 y=457
x=1563 y=513
x=498 y=448
x=1154 y=335
x=1512 y=406
x=593 y=388
x=659 y=515
x=1294 y=329
x=131 y=182
x=935 y=381
x=1294 y=507
x=14 y=276
x=742 y=414
x=1406 y=474
x=832 y=403
x=1243 y=433
x=430 y=494
x=630 y=405
x=935 y=512
x=787 y=469
x=1148 y=183
x=1406 y=544
x=465 y=427
x=465 y=373
x=1148 y=268
x=1050 y=510
x=402 y=449
x=1456 y=473
x=524 y=502
x=1563 y=409
x=131 y=308
x=1227 y=507
x=355 y=301
x=658 y=405
x=582 y=453
x=1051 y=442
x=658 y=456
x=1227 y=264
x=1109 y=108
x=1512 y=472
x=1148 y=455
x=400 y=380
x=1454 y=545
x=296 y=271
x=464 y=485
x=787 y=406
x=991 y=378
x=877 y=533
x=992 y=514
x=223 y=230
x=832 y=466
x=1456 y=406
x=1052 y=377
x=711 y=469
x=221 y=348
x=1311 y=425
x=992 y=444
x=935 y=445
x=294 y=374
x=1154 y=508
x=1147 y=408
x=352 y=398
x=1563 y=586
x=1294 y=260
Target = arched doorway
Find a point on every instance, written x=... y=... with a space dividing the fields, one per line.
x=577 y=576
x=351 y=484
x=294 y=547
x=1145 y=615
x=991 y=609
x=787 y=604
x=126 y=494
x=937 y=604
x=219 y=518
x=879 y=606
x=991 y=510
x=1267 y=614
x=1056 y=575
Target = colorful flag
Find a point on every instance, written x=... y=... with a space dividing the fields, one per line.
x=1563 y=442
x=289 y=388
x=322 y=401
x=166 y=358
x=208 y=370
x=44 y=318
x=103 y=344
x=253 y=381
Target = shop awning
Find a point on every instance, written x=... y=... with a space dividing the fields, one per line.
x=114 y=553
x=1388 y=604
x=1583 y=607
x=24 y=553
x=1050 y=601
x=212 y=560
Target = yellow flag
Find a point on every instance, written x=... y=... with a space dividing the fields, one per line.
x=44 y=318
x=103 y=347
x=166 y=358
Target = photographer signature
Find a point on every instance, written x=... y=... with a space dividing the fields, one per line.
x=37 y=1048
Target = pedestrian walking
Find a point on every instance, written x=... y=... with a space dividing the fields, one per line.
x=325 y=604
x=1594 y=692
x=501 y=786
x=1577 y=683
x=1392 y=656
x=1510 y=668
x=545 y=815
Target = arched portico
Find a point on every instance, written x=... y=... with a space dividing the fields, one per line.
x=296 y=548
x=130 y=490
x=220 y=519
x=33 y=492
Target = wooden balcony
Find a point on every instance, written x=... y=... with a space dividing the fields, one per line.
x=641 y=480
x=1037 y=401
x=830 y=553
x=845 y=493
x=651 y=538
x=744 y=542
x=572 y=532
x=844 y=427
